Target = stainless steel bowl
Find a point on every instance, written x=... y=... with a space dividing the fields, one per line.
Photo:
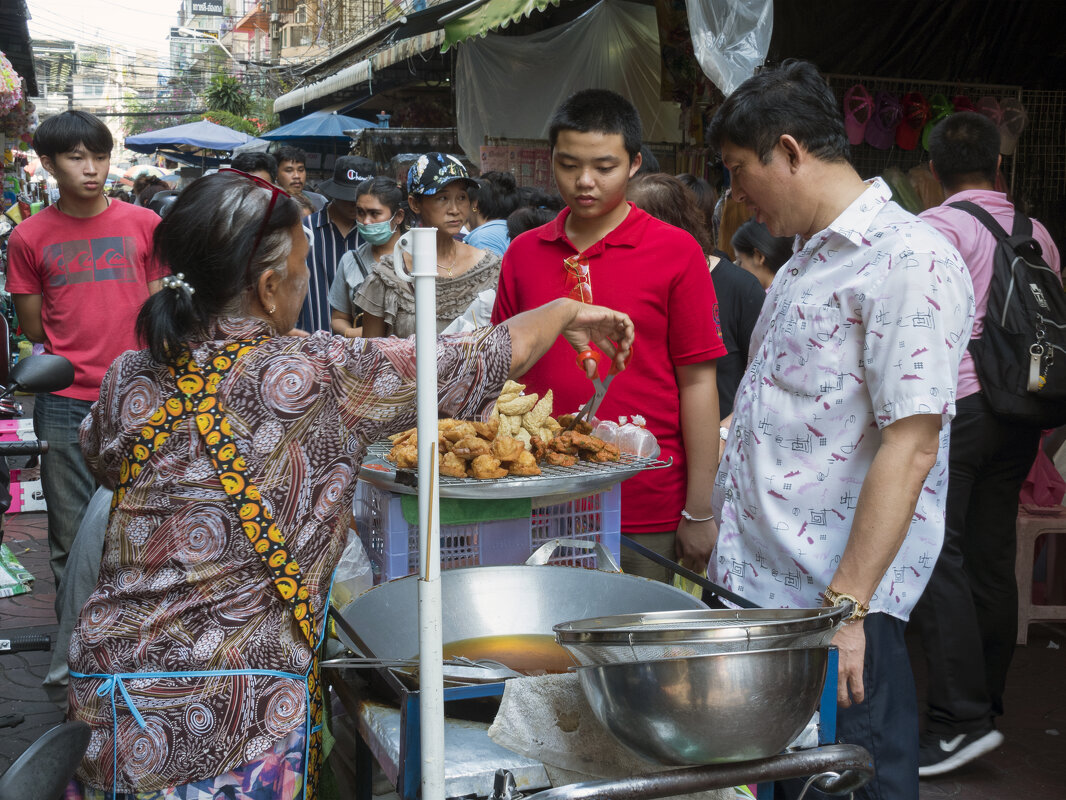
x=595 y=653
x=708 y=709
x=679 y=634
x=661 y=627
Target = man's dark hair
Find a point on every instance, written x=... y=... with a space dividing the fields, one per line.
x=497 y=195
x=964 y=148
x=598 y=111
x=63 y=132
x=290 y=153
x=791 y=99
x=256 y=162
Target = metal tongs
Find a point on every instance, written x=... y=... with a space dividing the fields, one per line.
x=588 y=411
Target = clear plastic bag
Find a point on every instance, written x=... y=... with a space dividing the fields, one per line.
x=354 y=574
x=730 y=38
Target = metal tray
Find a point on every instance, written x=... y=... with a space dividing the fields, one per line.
x=583 y=478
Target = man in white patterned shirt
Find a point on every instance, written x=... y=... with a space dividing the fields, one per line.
x=834 y=477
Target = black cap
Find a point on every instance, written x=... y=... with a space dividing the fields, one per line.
x=348 y=173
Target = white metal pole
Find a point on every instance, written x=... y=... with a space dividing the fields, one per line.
x=430 y=644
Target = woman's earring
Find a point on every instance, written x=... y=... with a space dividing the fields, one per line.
x=271 y=310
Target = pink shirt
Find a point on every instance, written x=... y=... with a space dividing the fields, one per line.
x=977 y=247
x=92 y=274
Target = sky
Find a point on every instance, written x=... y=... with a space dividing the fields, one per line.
x=138 y=23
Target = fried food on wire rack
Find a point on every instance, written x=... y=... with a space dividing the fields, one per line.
x=506 y=448
x=404 y=456
x=582 y=427
x=524 y=465
x=557 y=459
x=487 y=468
x=471 y=447
x=605 y=455
x=452 y=466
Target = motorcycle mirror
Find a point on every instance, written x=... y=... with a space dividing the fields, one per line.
x=43 y=373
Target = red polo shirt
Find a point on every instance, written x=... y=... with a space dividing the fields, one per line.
x=658 y=275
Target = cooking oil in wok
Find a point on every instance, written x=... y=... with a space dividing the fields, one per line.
x=528 y=653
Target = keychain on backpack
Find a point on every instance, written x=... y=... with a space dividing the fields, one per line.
x=1040 y=358
x=1036 y=357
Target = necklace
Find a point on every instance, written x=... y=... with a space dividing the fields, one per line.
x=449 y=269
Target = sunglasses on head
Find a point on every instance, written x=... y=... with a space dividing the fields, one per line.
x=275 y=192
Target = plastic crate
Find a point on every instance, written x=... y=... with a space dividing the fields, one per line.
x=392 y=543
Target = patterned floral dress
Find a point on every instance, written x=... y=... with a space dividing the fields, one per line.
x=180 y=588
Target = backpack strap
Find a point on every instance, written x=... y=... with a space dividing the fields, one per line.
x=1021 y=236
x=986 y=219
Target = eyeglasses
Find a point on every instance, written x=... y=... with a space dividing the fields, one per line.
x=275 y=192
x=578 y=281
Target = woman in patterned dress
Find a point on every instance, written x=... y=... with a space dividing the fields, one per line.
x=225 y=438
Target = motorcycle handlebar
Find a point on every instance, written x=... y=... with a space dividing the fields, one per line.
x=23 y=448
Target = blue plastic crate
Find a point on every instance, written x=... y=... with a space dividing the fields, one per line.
x=392 y=543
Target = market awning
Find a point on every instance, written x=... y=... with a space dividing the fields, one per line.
x=360 y=72
x=481 y=16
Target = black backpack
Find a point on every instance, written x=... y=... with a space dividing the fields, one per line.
x=1021 y=355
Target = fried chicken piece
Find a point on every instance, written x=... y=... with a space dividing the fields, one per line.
x=458 y=431
x=404 y=456
x=538 y=448
x=526 y=464
x=487 y=468
x=559 y=459
x=400 y=438
x=582 y=427
x=487 y=430
x=507 y=448
x=563 y=443
x=582 y=441
x=471 y=447
x=606 y=454
x=452 y=466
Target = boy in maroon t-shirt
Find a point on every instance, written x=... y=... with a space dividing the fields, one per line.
x=601 y=249
x=78 y=272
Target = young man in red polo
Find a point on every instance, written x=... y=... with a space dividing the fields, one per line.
x=602 y=249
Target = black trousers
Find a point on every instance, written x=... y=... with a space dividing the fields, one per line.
x=885 y=723
x=968 y=615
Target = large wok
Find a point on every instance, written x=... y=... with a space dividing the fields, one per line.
x=500 y=601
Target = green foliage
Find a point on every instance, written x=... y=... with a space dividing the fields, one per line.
x=232 y=121
x=227 y=94
x=262 y=114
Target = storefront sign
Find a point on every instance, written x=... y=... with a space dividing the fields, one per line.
x=207 y=8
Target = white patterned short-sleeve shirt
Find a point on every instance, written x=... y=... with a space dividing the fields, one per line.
x=865 y=325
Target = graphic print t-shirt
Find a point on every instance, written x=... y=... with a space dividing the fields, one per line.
x=92 y=275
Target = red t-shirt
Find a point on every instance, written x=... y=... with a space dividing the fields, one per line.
x=92 y=275
x=658 y=275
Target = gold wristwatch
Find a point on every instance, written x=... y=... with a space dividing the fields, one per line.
x=835 y=598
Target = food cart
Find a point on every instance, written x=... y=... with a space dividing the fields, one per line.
x=398 y=717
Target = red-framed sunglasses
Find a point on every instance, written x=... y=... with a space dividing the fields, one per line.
x=275 y=192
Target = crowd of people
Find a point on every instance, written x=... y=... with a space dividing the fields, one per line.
x=796 y=343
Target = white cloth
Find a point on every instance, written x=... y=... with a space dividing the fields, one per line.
x=863 y=326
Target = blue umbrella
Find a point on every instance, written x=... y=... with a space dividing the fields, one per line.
x=202 y=135
x=320 y=125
